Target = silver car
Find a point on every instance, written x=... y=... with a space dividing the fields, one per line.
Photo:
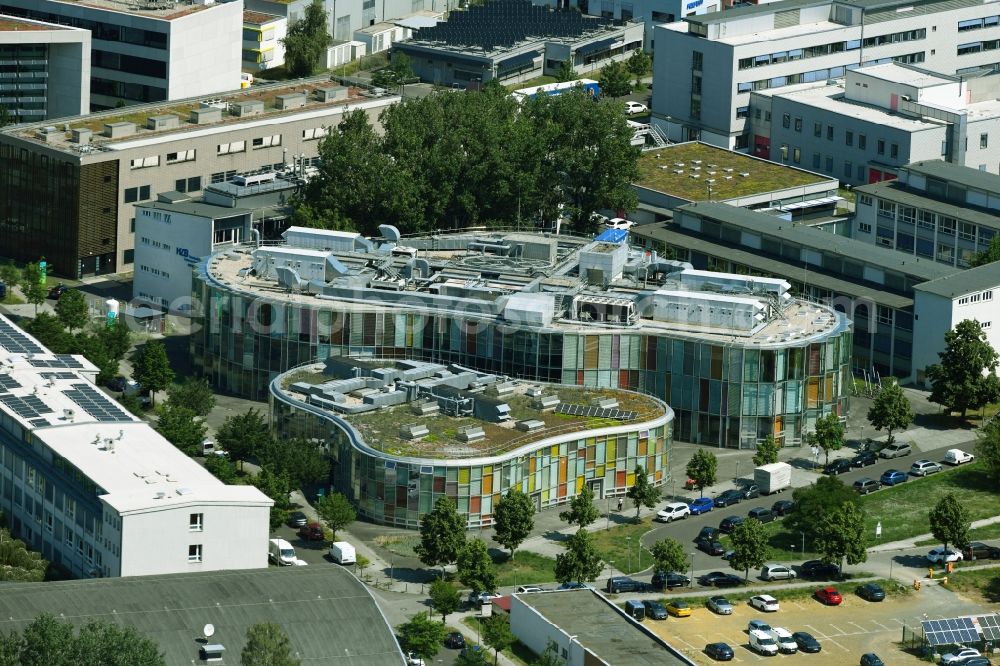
x=924 y=467
x=720 y=605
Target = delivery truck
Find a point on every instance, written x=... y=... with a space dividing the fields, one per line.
x=773 y=478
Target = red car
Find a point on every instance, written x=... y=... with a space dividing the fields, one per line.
x=829 y=596
x=311 y=532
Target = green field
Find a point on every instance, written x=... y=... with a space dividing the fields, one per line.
x=615 y=547
x=525 y=569
x=980 y=584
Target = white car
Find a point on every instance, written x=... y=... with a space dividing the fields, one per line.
x=940 y=555
x=960 y=656
x=762 y=643
x=957 y=457
x=635 y=107
x=673 y=511
x=764 y=602
x=619 y=223
x=412 y=659
x=523 y=589
x=784 y=639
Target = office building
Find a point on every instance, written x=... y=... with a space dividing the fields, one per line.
x=864 y=128
x=402 y=434
x=150 y=50
x=44 y=70
x=347 y=16
x=706 y=66
x=934 y=210
x=262 y=45
x=97 y=491
x=514 y=41
x=70 y=194
x=736 y=359
x=649 y=12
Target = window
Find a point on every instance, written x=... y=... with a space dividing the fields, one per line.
x=697 y=60
x=756 y=113
x=266 y=141
x=223 y=176
x=894 y=151
x=967 y=231
x=133 y=194
x=196 y=522
x=988 y=295
x=817 y=129
x=194 y=553
x=849 y=138
x=862 y=141
x=947 y=226
x=848 y=169
x=784 y=152
x=796 y=155
x=881 y=147
x=829 y=164
x=145 y=162
x=192 y=184
x=986 y=324
x=907 y=214
x=829 y=132
x=816 y=160
x=798 y=124
x=742 y=142
x=925 y=219
x=864 y=227
x=886 y=208
x=181 y=156
x=742 y=112
x=695 y=109
x=786 y=120
x=865 y=200
x=984 y=140
x=232 y=147
x=313 y=134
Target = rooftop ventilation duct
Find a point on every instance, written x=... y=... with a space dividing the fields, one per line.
x=389 y=232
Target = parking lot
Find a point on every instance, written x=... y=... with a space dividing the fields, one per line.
x=845 y=632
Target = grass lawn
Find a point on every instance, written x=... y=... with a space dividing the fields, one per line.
x=12 y=299
x=982 y=585
x=614 y=546
x=783 y=545
x=517 y=653
x=526 y=569
x=400 y=545
x=983 y=533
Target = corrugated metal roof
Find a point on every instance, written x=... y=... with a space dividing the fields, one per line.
x=898 y=194
x=966 y=282
x=963 y=175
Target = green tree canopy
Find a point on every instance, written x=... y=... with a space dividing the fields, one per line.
x=987 y=256
x=31 y=285
x=749 y=546
x=566 y=72
x=475 y=567
x=302 y=459
x=642 y=493
x=180 y=427
x=244 y=435
x=72 y=310
x=306 y=41
x=815 y=501
x=582 y=511
x=767 y=452
x=966 y=376
x=422 y=635
x=113 y=645
x=614 y=80
x=702 y=469
x=117 y=339
x=275 y=486
x=950 y=522
x=829 y=434
x=669 y=555
x=890 y=410
x=513 y=519
x=267 y=645
x=51 y=642
x=472 y=657
x=94 y=350
x=222 y=468
x=151 y=368
x=17 y=563
x=581 y=561
x=638 y=65
x=445 y=598
x=48 y=330
x=337 y=511
x=840 y=534
x=192 y=393
x=10 y=274
x=988 y=448
x=442 y=534
x=497 y=634
x=549 y=656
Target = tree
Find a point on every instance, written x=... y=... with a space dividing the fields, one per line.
x=828 y=435
x=987 y=256
x=337 y=511
x=950 y=522
x=94 y=350
x=767 y=452
x=307 y=41
x=566 y=72
x=244 y=435
x=422 y=635
x=222 y=468
x=180 y=427
x=267 y=645
x=276 y=487
x=445 y=598
x=549 y=656
x=17 y=563
x=815 y=501
x=669 y=555
x=581 y=561
x=401 y=66
x=642 y=493
x=614 y=80
x=638 y=65
x=193 y=393
x=47 y=641
x=72 y=309
x=475 y=567
x=749 y=546
x=840 y=533
x=471 y=658
x=582 y=511
x=151 y=368
x=966 y=376
x=442 y=534
x=31 y=285
x=132 y=403
x=117 y=339
x=890 y=410
x=48 y=330
x=10 y=274
x=497 y=634
x=988 y=448
x=106 y=643
x=302 y=459
x=701 y=469
x=513 y=519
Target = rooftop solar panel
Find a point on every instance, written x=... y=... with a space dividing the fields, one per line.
x=96 y=403
x=7 y=383
x=16 y=341
x=27 y=407
x=58 y=361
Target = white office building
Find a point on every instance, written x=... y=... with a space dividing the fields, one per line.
x=98 y=491
x=707 y=66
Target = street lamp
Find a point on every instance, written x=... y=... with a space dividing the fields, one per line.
x=628 y=547
x=691 y=582
x=803 y=543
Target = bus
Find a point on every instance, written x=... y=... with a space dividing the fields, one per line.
x=589 y=85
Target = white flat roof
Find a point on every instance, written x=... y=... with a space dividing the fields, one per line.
x=890 y=71
x=830 y=98
x=775 y=36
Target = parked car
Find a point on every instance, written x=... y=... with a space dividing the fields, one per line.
x=783 y=638
x=413 y=659
x=806 y=642
x=977 y=550
x=655 y=610
x=311 y=532
x=777 y=572
x=871 y=659
x=783 y=507
x=940 y=555
x=865 y=485
x=829 y=596
x=720 y=605
x=761 y=513
x=617 y=584
x=871 y=592
x=893 y=477
x=700 y=505
x=56 y=292
x=720 y=579
x=678 y=609
x=673 y=511
x=455 y=640
x=924 y=467
x=719 y=651
x=730 y=523
x=710 y=546
x=669 y=580
x=957 y=457
x=896 y=450
x=762 y=643
x=473 y=649
x=751 y=491
x=297 y=519
x=764 y=602
x=960 y=656
x=482 y=598
x=819 y=570
x=572 y=586
x=635 y=107
x=977 y=661
x=619 y=223
x=864 y=458
x=710 y=532
x=838 y=466
x=728 y=498
x=524 y=589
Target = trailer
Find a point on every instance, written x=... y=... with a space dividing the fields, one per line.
x=589 y=85
x=773 y=478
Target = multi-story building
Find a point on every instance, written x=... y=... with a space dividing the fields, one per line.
x=649 y=12
x=44 y=70
x=736 y=358
x=934 y=210
x=863 y=128
x=403 y=434
x=97 y=490
x=346 y=16
x=70 y=195
x=707 y=66
x=262 y=45
x=152 y=50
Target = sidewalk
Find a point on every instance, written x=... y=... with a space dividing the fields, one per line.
x=905 y=544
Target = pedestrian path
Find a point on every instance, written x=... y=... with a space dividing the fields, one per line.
x=905 y=544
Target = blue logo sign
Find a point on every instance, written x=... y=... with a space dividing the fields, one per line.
x=695 y=3
x=183 y=251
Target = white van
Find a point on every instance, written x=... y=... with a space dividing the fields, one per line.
x=281 y=553
x=762 y=643
x=342 y=552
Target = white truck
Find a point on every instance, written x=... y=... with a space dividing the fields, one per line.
x=342 y=552
x=281 y=553
x=773 y=478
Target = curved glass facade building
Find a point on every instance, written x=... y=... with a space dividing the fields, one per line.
x=736 y=357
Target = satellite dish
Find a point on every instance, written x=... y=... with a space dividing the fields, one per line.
x=208 y=630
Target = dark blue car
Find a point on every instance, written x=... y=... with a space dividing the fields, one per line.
x=893 y=477
x=719 y=651
x=700 y=505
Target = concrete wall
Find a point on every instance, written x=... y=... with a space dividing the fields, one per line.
x=935 y=315
x=205 y=54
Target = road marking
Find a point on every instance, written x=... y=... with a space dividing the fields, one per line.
x=881 y=625
x=838 y=644
x=840 y=631
x=863 y=630
x=901 y=623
